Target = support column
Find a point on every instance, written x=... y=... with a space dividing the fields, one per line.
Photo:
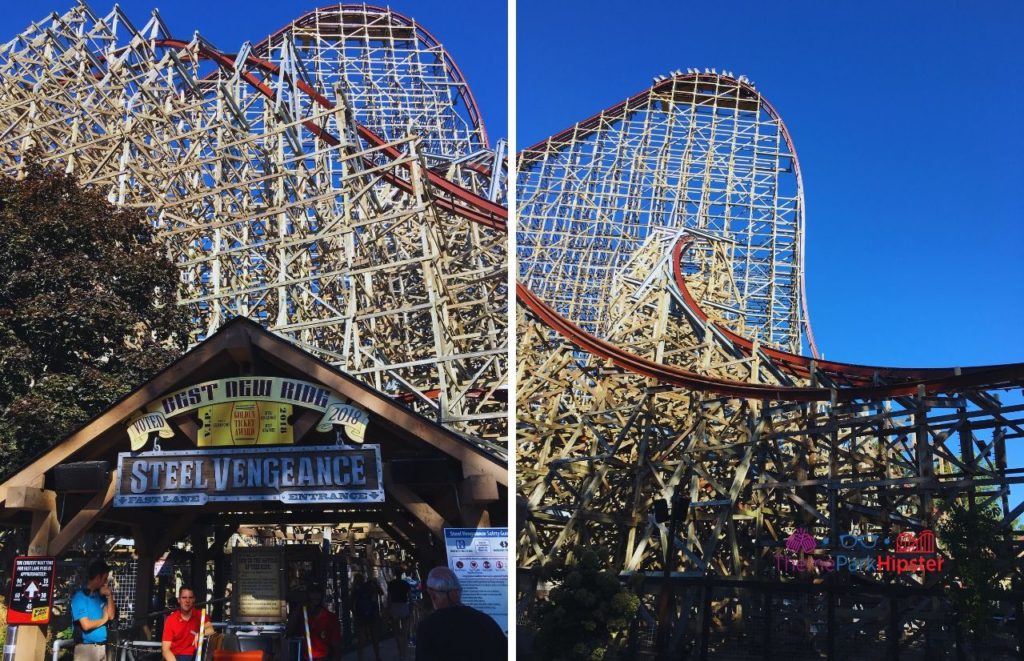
x=221 y=535
x=705 y=620
x=476 y=493
x=30 y=644
x=894 y=629
x=143 y=580
x=200 y=556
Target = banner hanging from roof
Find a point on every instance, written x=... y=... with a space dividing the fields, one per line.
x=210 y=395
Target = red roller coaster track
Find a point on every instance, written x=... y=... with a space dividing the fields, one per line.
x=951 y=379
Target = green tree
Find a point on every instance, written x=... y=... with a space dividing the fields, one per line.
x=87 y=308
x=587 y=615
x=975 y=543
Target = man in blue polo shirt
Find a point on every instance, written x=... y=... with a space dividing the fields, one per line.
x=91 y=608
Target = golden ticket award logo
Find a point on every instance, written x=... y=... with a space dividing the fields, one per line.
x=245 y=423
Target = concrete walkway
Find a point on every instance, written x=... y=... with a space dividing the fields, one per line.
x=388 y=652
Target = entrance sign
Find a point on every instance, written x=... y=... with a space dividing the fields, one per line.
x=31 y=598
x=297 y=474
x=249 y=390
x=479 y=558
x=257 y=575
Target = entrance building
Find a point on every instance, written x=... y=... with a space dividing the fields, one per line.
x=251 y=470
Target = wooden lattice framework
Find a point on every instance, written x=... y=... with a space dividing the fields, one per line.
x=333 y=182
x=641 y=378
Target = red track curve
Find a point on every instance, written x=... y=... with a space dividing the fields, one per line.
x=795 y=363
x=676 y=376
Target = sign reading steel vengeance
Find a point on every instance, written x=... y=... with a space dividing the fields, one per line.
x=313 y=474
x=31 y=599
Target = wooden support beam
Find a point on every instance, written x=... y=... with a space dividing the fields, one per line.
x=143 y=577
x=33 y=499
x=427 y=552
x=85 y=519
x=173 y=531
x=200 y=555
x=476 y=492
x=151 y=541
x=221 y=534
x=416 y=506
x=31 y=643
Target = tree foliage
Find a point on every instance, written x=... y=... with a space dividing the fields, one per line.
x=973 y=541
x=586 y=615
x=87 y=308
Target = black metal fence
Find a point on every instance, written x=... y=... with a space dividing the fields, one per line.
x=736 y=620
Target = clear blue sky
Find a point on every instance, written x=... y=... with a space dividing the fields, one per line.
x=907 y=118
x=479 y=46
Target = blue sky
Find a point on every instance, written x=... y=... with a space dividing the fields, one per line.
x=479 y=46
x=907 y=120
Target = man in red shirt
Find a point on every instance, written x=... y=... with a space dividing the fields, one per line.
x=324 y=632
x=181 y=628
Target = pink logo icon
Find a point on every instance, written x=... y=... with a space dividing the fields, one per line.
x=472 y=563
x=800 y=540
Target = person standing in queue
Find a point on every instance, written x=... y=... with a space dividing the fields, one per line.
x=398 y=610
x=92 y=607
x=454 y=631
x=366 y=595
x=180 y=639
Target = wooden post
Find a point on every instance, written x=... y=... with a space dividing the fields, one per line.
x=831 y=617
x=1020 y=625
x=475 y=493
x=894 y=628
x=705 y=620
x=30 y=643
x=143 y=580
x=221 y=534
x=200 y=556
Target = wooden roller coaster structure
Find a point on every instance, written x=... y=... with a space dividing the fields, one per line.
x=667 y=418
x=333 y=182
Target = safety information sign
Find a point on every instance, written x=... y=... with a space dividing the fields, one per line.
x=31 y=599
x=479 y=558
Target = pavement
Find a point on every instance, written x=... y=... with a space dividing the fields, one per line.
x=388 y=652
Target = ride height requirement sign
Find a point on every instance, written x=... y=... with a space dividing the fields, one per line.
x=479 y=558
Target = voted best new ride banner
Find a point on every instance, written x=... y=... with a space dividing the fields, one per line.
x=479 y=558
x=296 y=474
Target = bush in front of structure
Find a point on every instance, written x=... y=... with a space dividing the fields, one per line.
x=587 y=616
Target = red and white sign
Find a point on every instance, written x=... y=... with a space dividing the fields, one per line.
x=31 y=598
